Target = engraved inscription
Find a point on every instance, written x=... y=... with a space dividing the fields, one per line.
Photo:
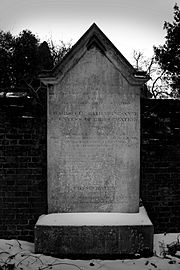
x=93 y=139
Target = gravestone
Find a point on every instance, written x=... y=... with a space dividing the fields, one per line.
x=93 y=154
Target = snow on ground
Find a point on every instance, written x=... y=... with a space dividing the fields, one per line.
x=20 y=255
x=162 y=240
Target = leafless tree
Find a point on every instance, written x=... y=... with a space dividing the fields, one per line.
x=159 y=83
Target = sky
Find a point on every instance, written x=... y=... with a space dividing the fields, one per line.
x=129 y=24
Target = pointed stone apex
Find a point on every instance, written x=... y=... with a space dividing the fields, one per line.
x=94 y=25
x=94 y=38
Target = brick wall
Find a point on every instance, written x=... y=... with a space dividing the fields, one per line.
x=23 y=166
x=160 y=163
x=23 y=175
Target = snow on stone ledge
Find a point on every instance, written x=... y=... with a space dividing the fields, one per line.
x=95 y=219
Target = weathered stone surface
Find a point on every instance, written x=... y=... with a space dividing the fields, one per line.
x=94 y=242
x=93 y=139
x=95 y=237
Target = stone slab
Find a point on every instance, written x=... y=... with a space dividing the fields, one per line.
x=93 y=139
x=94 y=235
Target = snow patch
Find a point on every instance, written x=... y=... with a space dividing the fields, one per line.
x=162 y=240
x=95 y=219
x=19 y=255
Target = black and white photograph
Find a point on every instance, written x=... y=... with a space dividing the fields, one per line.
x=89 y=134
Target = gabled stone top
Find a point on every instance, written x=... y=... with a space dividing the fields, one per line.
x=94 y=37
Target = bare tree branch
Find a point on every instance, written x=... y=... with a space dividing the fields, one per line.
x=137 y=55
x=155 y=81
x=150 y=66
x=155 y=72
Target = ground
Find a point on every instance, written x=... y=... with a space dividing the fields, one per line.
x=15 y=254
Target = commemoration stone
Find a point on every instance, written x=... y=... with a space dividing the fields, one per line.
x=93 y=139
x=93 y=155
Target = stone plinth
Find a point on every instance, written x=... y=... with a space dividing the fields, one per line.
x=94 y=235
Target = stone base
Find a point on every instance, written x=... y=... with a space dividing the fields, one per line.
x=94 y=235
